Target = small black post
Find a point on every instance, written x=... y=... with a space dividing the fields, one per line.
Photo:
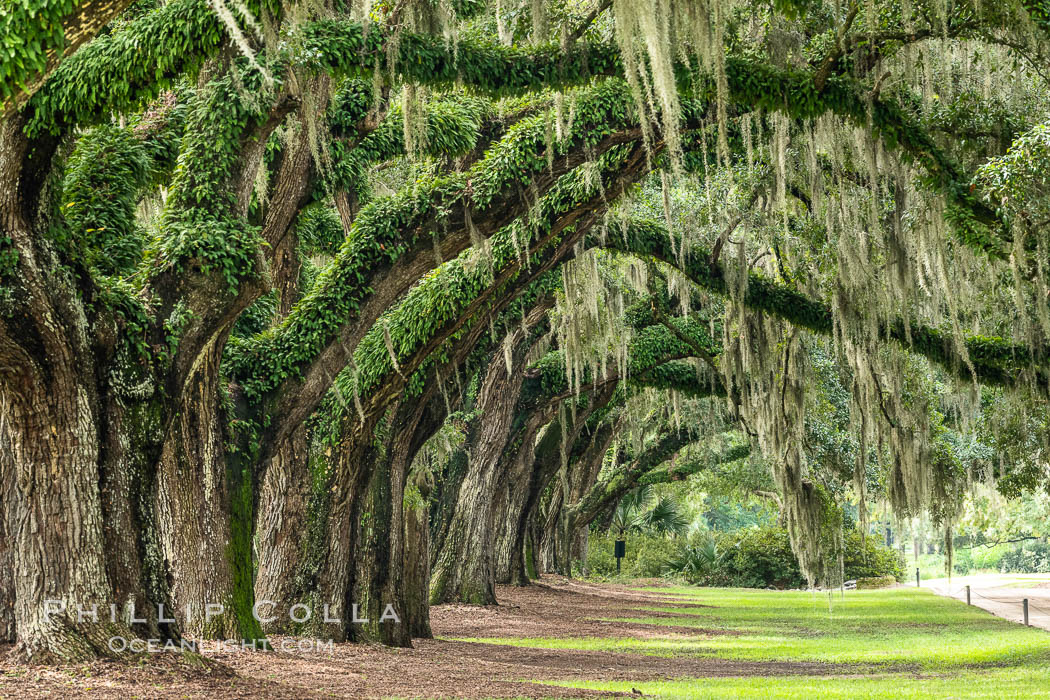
x=968 y=594
x=620 y=549
x=1024 y=604
x=917 y=584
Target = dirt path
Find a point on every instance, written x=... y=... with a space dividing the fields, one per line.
x=433 y=668
x=1001 y=595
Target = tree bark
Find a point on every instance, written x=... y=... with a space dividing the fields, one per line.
x=360 y=570
x=443 y=508
x=204 y=508
x=7 y=551
x=550 y=561
x=546 y=459
x=331 y=590
x=57 y=534
x=130 y=448
x=582 y=477
x=280 y=529
x=205 y=494
x=509 y=506
x=284 y=477
x=393 y=561
x=54 y=540
x=513 y=507
x=417 y=563
x=532 y=548
x=379 y=555
x=464 y=570
x=58 y=521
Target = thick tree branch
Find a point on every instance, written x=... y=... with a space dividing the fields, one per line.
x=587 y=21
x=995 y=361
x=35 y=60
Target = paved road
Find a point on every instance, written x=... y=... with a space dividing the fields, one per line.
x=1001 y=594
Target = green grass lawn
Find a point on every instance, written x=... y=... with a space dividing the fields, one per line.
x=911 y=644
x=997 y=683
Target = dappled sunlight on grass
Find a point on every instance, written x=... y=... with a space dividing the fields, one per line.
x=939 y=648
x=1028 y=682
x=652 y=647
x=901 y=627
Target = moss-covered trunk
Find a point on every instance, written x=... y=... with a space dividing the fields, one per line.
x=524 y=554
x=204 y=503
x=280 y=530
x=512 y=508
x=356 y=571
x=532 y=548
x=510 y=548
x=131 y=433
x=378 y=587
x=510 y=540
x=393 y=571
x=446 y=496
x=550 y=561
x=417 y=564
x=335 y=515
x=464 y=571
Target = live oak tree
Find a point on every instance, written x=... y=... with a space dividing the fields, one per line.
x=255 y=256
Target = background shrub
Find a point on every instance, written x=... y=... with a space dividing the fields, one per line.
x=871 y=558
x=962 y=561
x=1029 y=558
x=646 y=555
x=988 y=557
x=762 y=558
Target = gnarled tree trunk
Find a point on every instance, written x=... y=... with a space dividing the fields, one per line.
x=330 y=591
x=55 y=509
x=359 y=572
x=7 y=551
x=50 y=409
x=464 y=571
x=204 y=509
x=517 y=493
x=131 y=439
x=280 y=529
x=417 y=563
x=379 y=555
x=550 y=561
